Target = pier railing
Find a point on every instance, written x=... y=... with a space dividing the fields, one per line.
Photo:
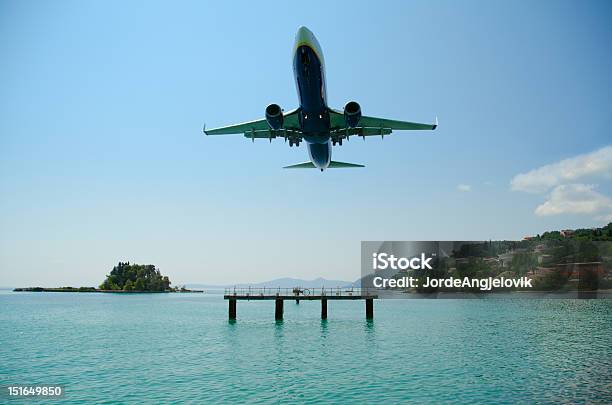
x=298 y=292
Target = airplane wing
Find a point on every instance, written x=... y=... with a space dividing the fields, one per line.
x=260 y=128
x=369 y=126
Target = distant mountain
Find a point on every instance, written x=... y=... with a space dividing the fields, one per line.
x=285 y=282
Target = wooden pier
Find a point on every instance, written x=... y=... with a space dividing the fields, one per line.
x=280 y=295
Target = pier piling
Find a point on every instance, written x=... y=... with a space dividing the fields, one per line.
x=369 y=308
x=232 y=309
x=323 y=308
x=278 y=313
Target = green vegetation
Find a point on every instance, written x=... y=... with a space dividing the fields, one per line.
x=486 y=249
x=78 y=289
x=553 y=281
x=135 y=277
x=594 y=234
x=522 y=262
x=474 y=267
x=58 y=289
x=124 y=277
x=567 y=260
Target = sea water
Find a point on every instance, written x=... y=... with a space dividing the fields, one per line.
x=160 y=348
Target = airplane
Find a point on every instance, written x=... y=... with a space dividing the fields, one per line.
x=313 y=121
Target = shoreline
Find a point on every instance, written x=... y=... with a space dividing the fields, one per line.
x=97 y=290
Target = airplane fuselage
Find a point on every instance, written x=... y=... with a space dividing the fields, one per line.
x=309 y=72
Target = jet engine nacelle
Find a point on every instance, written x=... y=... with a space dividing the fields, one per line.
x=352 y=114
x=274 y=116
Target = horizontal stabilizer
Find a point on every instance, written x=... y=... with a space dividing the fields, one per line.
x=332 y=165
x=305 y=165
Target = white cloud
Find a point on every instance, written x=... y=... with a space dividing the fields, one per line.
x=576 y=199
x=464 y=188
x=542 y=179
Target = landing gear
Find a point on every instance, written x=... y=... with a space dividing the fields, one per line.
x=292 y=142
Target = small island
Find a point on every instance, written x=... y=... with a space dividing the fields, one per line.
x=125 y=278
x=136 y=277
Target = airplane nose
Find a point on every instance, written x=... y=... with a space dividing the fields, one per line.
x=303 y=34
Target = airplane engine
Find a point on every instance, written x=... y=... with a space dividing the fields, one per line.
x=352 y=114
x=274 y=116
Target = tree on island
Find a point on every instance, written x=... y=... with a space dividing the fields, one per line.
x=135 y=277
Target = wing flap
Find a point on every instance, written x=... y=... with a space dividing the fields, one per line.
x=255 y=126
x=394 y=124
x=360 y=131
x=271 y=134
x=338 y=123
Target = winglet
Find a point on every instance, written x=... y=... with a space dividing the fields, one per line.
x=204 y=128
x=435 y=125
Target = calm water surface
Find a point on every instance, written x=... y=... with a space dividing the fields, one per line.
x=180 y=347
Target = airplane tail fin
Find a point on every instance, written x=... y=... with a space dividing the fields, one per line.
x=332 y=165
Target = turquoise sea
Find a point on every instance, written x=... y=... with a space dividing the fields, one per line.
x=162 y=348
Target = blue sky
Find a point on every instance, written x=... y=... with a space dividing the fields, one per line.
x=102 y=157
